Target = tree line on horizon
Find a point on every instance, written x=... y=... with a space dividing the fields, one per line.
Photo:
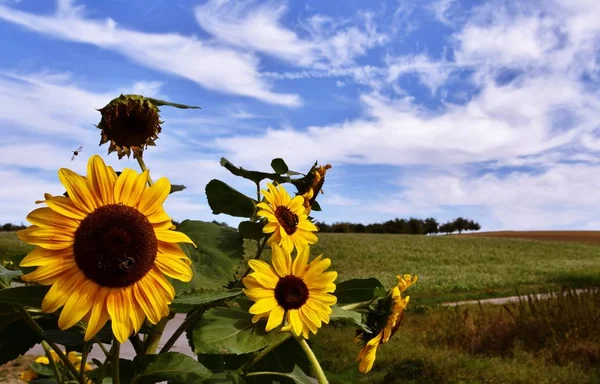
x=411 y=226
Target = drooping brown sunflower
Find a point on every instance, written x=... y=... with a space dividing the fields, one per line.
x=297 y=291
x=105 y=250
x=383 y=321
x=287 y=218
x=310 y=190
x=130 y=123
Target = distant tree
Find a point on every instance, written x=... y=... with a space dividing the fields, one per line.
x=431 y=226
x=416 y=226
x=460 y=224
x=6 y=227
x=473 y=226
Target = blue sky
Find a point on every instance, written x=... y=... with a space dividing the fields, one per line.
x=486 y=109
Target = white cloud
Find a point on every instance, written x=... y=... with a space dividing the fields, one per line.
x=432 y=74
x=222 y=69
x=257 y=27
x=442 y=10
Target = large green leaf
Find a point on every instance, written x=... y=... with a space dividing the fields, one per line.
x=41 y=369
x=225 y=378
x=219 y=254
x=283 y=359
x=176 y=188
x=253 y=175
x=224 y=199
x=346 y=317
x=188 y=301
x=16 y=338
x=173 y=367
x=27 y=295
x=251 y=230
x=358 y=290
x=8 y=314
x=6 y=276
x=231 y=331
x=279 y=166
x=297 y=376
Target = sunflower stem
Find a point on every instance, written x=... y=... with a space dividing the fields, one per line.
x=188 y=322
x=256 y=257
x=84 y=355
x=154 y=337
x=101 y=345
x=316 y=367
x=31 y=322
x=138 y=346
x=115 y=361
x=47 y=349
x=144 y=169
x=264 y=352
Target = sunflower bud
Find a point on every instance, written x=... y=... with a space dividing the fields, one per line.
x=132 y=123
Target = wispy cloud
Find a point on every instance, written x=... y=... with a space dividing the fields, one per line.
x=222 y=69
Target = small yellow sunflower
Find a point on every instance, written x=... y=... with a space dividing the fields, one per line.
x=298 y=291
x=28 y=375
x=287 y=218
x=105 y=250
x=75 y=358
x=384 y=321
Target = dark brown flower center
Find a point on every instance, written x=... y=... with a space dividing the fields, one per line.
x=287 y=219
x=291 y=292
x=115 y=245
x=131 y=123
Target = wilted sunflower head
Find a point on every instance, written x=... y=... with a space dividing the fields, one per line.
x=310 y=185
x=130 y=123
x=383 y=320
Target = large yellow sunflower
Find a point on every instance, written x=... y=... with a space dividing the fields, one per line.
x=383 y=322
x=288 y=220
x=106 y=249
x=298 y=291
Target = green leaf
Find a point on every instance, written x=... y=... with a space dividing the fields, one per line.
x=231 y=331
x=6 y=276
x=176 y=188
x=283 y=359
x=251 y=230
x=160 y=103
x=173 y=367
x=16 y=338
x=225 y=378
x=255 y=176
x=279 y=166
x=191 y=300
x=358 y=290
x=297 y=376
x=224 y=199
x=346 y=317
x=8 y=314
x=27 y=295
x=315 y=206
x=219 y=254
x=41 y=369
x=66 y=338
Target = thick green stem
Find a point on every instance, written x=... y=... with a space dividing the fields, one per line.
x=316 y=367
x=52 y=362
x=263 y=353
x=137 y=344
x=31 y=322
x=115 y=351
x=156 y=334
x=144 y=169
x=84 y=355
x=188 y=322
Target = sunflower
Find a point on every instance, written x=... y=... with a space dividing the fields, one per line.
x=105 y=250
x=287 y=219
x=298 y=291
x=313 y=185
x=384 y=321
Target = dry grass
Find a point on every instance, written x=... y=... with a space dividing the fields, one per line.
x=585 y=237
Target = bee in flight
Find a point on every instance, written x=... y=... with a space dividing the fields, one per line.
x=76 y=152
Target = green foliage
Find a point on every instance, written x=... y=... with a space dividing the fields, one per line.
x=251 y=230
x=190 y=300
x=358 y=290
x=16 y=338
x=176 y=188
x=7 y=276
x=28 y=295
x=279 y=166
x=217 y=257
x=231 y=331
x=224 y=199
x=173 y=367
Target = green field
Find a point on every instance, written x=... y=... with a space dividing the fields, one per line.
x=449 y=268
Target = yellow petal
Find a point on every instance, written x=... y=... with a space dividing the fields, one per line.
x=78 y=190
x=173 y=237
x=275 y=318
x=286 y=242
x=78 y=305
x=282 y=261
x=137 y=316
x=324 y=298
x=118 y=310
x=271 y=227
x=174 y=267
x=306 y=225
x=101 y=180
x=154 y=197
x=258 y=293
x=61 y=290
x=263 y=305
x=300 y=262
x=149 y=300
x=41 y=256
x=296 y=205
x=295 y=321
x=66 y=207
x=163 y=286
x=48 y=274
x=48 y=238
x=99 y=314
x=46 y=217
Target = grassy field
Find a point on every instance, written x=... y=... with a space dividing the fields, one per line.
x=586 y=237
x=450 y=268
